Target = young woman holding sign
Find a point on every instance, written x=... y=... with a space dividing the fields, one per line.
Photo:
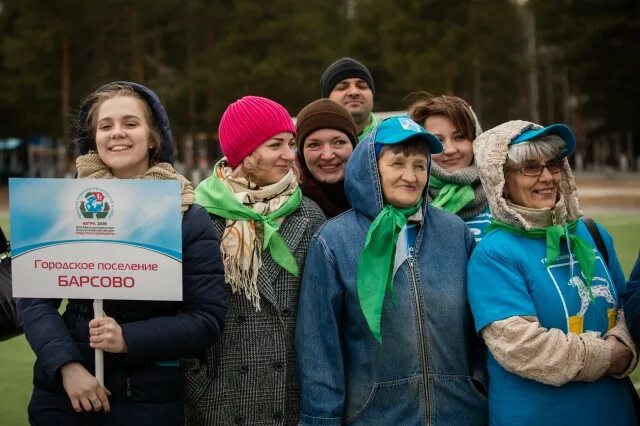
x=265 y=225
x=123 y=133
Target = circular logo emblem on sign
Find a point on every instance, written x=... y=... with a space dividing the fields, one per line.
x=94 y=203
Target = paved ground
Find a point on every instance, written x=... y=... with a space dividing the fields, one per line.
x=609 y=191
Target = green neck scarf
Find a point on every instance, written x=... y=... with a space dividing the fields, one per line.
x=375 y=267
x=217 y=198
x=554 y=234
x=451 y=197
x=372 y=124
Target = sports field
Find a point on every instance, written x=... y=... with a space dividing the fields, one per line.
x=16 y=358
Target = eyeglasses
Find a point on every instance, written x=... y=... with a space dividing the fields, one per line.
x=534 y=169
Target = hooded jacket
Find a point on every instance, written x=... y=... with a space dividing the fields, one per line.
x=548 y=361
x=423 y=371
x=157 y=333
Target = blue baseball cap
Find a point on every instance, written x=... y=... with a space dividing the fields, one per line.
x=402 y=128
x=557 y=129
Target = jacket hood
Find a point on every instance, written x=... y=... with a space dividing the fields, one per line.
x=87 y=141
x=490 y=153
x=362 y=179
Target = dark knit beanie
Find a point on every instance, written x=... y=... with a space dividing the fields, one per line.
x=342 y=69
x=324 y=114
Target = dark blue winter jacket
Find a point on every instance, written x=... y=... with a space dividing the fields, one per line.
x=632 y=301
x=154 y=331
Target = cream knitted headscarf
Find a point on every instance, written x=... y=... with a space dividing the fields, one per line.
x=490 y=151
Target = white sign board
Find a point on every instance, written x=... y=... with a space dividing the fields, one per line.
x=96 y=239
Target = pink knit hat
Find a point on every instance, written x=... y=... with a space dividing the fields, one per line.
x=249 y=122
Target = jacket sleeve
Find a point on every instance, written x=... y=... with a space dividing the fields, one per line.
x=317 y=340
x=632 y=301
x=199 y=321
x=522 y=346
x=47 y=334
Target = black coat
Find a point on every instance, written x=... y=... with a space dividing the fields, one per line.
x=155 y=332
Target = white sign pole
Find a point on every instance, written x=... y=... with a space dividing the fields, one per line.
x=98 y=312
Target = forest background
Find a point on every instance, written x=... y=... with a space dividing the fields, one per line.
x=574 y=61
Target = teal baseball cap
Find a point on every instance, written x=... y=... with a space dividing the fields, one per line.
x=558 y=129
x=400 y=129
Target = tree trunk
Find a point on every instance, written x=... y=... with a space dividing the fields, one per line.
x=477 y=83
x=137 y=66
x=188 y=72
x=548 y=87
x=530 y=36
x=65 y=89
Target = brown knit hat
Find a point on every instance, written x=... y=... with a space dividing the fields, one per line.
x=324 y=114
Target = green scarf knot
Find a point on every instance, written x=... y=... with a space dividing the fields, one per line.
x=451 y=197
x=217 y=198
x=375 y=267
x=554 y=235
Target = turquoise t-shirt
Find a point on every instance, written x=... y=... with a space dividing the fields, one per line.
x=508 y=276
x=478 y=224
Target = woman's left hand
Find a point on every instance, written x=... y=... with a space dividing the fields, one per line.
x=106 y=334
x=621 y=356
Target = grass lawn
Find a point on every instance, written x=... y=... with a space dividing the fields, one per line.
x=16 y=358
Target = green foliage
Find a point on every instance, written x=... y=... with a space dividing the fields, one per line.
x=200 y=55
x=466 y=48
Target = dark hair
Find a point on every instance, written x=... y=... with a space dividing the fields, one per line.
x=412 y=146
x=457 y=110
x=110 y=91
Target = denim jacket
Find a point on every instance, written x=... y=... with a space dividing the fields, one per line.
x=430 y=365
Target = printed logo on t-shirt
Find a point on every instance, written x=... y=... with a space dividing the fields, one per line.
x=586 y=308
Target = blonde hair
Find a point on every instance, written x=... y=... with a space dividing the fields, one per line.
x=252 y=170
x=114 y=90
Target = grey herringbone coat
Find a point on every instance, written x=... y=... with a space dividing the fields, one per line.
x=249 y=376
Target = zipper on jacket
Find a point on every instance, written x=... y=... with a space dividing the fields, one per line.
x=423 y=350
x=128 y=387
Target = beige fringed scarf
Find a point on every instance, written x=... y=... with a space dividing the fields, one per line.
x=241 y=242
x=90 y=166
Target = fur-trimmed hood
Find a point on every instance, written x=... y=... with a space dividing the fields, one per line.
x=490 y=153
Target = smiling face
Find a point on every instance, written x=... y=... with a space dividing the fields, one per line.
x=326 y=152
x=356 y=96
x=458 y=150
x=403 y=176
x=535 y=192
x=271 y=161
x=123 y=136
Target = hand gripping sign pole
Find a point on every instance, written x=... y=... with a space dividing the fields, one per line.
x=97 y=243
x=98 y=312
